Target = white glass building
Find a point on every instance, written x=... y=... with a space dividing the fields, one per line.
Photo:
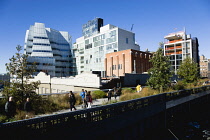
x=90 y=50
x=50 y=49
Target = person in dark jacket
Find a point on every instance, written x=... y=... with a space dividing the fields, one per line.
x=109 y=95
x=10 y=108
x=89 y=99
x=27 y=107
x=72 y=100
x=115 y=93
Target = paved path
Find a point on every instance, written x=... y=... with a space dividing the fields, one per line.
x=96 y=102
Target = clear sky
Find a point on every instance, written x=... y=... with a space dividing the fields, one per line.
x=152 y=19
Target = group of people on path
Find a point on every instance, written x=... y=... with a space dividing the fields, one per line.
x=86 y=99
x=10 y=107
x=116 y=92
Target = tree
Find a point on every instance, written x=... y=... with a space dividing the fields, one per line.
x=20 y=72
x=160 y=72
x=188 y=71
x=161 y=44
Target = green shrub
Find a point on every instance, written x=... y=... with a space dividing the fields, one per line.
x=3 y=118
x=97 y=94
x=78 y=99
x=179 y=86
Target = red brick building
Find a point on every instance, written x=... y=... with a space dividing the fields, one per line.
x=127 y=61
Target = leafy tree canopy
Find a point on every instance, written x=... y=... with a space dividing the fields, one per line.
x=160 y=72
x=188 y=71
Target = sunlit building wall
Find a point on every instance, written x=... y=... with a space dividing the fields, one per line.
x=89 y=51
x=179 y=46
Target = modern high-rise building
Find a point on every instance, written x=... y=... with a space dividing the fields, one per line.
x=179 y=46
x=204 y=66
x=50 y=49
x=90 y=49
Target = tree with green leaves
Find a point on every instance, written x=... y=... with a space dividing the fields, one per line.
x=188 y=71
x=160 y=72
x=20 y=73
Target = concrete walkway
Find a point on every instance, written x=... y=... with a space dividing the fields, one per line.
x=97 y=102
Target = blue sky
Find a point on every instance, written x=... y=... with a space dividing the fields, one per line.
x=152 y=19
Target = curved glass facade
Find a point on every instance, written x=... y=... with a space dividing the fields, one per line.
x=50 y=49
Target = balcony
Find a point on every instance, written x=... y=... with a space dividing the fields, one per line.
x=173 y=41
x=178 y=47
x=169 y=48
x=173 y=53
x=179 y=52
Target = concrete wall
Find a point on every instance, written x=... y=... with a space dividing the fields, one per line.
x=64 y=84
x=134 y=79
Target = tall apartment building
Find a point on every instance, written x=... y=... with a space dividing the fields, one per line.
x=204 y=66
x=90 y=49
x=50 y=49
x=127 y=61
x=178 y=46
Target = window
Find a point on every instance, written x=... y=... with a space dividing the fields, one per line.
x=41 y=44
x=41 y=51
x=126 y=40
x=86 y=41
x=88 y=46
x=179 y=56
x=178 y=62
x=101 y=48
x=39 y=37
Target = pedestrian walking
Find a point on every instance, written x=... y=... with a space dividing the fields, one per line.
x=109 y=94
x=27 y=107
x=89 y=99
x=115 y=93
x=119 y=91
x=86 y=92
x=10 y=108
x=82 y=94
x=72 y=101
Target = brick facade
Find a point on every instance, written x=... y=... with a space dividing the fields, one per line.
x=127 y=61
